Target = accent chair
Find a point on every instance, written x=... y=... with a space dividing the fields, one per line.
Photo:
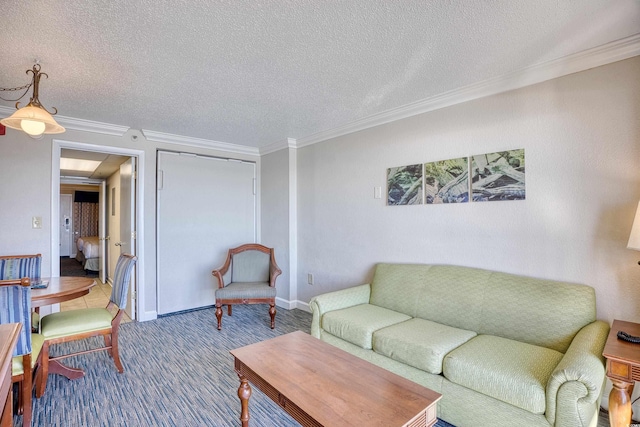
x=248 y=276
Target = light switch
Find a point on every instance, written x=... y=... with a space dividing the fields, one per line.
x=377 y=192
x=36 y=222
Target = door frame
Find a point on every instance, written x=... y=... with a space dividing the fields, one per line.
x=57 y=146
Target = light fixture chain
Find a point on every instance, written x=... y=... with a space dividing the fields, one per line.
x=27 y=86
x=13 y=89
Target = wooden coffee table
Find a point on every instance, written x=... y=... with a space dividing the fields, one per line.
x=321 y=385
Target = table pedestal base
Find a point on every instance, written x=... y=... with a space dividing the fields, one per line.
x=55 y=367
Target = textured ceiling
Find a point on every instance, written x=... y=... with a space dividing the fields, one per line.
x=257 y=72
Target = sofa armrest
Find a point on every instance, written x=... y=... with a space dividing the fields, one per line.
x=576 y=385
x=336 y=300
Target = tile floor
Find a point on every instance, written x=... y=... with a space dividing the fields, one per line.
x=98 y=298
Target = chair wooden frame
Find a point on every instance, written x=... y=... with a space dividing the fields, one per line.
x=274 y=272
x=109 y=334
x=26 y=379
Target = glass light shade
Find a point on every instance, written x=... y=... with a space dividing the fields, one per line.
x=32 y=127
x=45 y=123
x=634 y=237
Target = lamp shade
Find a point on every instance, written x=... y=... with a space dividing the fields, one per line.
x=33 y=120
x=634 y=237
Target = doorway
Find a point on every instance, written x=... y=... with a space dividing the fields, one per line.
x=134 y=214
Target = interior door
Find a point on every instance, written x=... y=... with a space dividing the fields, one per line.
x=66 y=215
x=205 y=206
x=102 y=231
x=127 y=225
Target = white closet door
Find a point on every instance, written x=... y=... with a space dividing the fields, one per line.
x=205 y=206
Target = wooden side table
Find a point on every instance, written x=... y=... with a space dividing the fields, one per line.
x=623 y=369
x=8 y=339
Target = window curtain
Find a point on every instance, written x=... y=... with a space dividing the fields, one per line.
x=85 y=219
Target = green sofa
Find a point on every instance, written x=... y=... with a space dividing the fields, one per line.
x=502 y=349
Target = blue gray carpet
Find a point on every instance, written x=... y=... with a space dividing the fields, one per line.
x=178 y=372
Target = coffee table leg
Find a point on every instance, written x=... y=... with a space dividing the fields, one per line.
x=244 y=393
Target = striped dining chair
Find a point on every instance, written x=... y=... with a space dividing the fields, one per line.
x=13 y=267
x=74 y=325
x=19 y=266
x=15 y=307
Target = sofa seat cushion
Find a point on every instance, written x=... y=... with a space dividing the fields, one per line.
x=420 y=343
x=514 y=372
x=358 y=323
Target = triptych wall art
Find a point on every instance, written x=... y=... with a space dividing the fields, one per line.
x=486 y=177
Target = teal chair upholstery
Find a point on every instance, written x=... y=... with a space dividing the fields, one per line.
x=83 y=323
x=15 y=307
x=248 y=276
x=14 y=267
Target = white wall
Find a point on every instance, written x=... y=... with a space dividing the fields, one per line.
x=25 y=191
x=581 y=135
x=274 y=182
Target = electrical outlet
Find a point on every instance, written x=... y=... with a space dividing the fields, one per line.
x=310 y=278
x=36 y=222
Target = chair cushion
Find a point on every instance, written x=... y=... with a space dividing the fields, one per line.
x=246 y=290
x=420 y=343
x=74 y=322
x=511 y=371
x=250 y=266
x=35 y=321
x=36 y=346
x=358 y=323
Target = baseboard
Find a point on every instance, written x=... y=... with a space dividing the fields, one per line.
x=290 y=305
x=147 y=315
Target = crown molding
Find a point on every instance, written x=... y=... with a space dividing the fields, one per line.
x=602 y=55
x=277 y=146
x=199 y=142
x=71 y=123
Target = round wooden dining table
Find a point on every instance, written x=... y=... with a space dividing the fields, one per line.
x=61 y=289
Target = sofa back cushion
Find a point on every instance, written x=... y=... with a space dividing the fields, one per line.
x=540 y=312
x=432 y=292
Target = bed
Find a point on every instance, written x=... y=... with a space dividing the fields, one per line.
x=88 y=252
